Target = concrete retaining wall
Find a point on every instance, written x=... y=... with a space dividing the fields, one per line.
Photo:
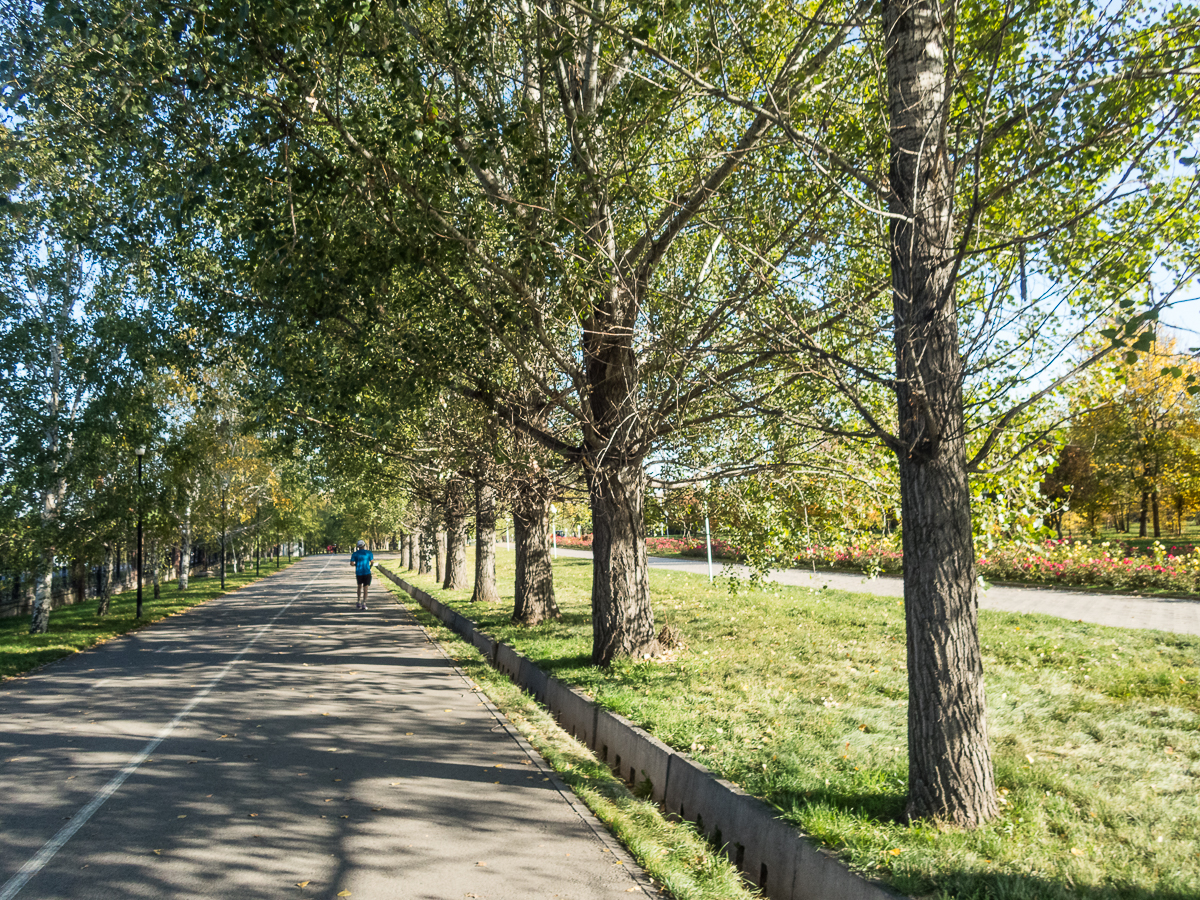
x=770 y=853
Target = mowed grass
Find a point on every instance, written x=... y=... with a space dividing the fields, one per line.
x=75 y=628
x=799 y=696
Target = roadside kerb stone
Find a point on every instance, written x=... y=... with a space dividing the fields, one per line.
x=575 y=712
x=533 y=680
x=768 y=851
x=508 y=661
x=485 y=644
x=635 y=755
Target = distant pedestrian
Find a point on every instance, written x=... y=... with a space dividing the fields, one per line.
x=363 y=559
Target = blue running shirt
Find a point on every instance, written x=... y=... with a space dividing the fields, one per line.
x=362 y=560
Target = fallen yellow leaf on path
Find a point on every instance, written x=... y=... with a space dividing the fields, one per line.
x=301 y=883
x=158 y=853
x=344 y=894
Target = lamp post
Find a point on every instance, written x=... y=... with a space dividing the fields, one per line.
x=708 y=541
x=554 y=527
x=223 y=487
x=707 y=533
x=140 y=451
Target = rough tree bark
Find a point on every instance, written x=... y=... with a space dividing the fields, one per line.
x=106 y=581
x=426 y=550
x=156 y=556
x=185 y=545
x=439 y=553
x=485 y=543
x=950 y=768
x=533 y=596
x=622 y=620
x=456 y=537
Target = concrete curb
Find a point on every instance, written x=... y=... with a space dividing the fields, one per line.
x=770 y=853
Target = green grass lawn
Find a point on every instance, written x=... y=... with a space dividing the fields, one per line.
x=75 y=628
x=799 y=696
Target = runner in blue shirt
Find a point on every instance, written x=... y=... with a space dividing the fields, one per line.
x=363 y=559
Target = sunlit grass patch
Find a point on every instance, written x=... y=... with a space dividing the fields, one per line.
x=799 y=696
x=75 y=628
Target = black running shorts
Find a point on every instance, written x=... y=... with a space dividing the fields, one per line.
x=364 y=579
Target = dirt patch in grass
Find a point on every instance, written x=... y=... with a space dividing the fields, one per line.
x=75 y=628
x=799 y=696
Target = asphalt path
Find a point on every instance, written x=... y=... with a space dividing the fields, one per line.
x=276 y=742
x=1120 y=610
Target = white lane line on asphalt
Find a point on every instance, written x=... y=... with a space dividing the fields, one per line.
x=35 y=864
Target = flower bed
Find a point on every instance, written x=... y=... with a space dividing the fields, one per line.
x=1079 y=563
x=682 y=546
x=1096 y=563
x=1068 y=562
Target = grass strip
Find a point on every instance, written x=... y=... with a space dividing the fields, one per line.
x=672 y=853
x=76 y=628
x=800 y=697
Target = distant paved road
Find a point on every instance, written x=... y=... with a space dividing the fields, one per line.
x=1120 y=610
x=276 y=737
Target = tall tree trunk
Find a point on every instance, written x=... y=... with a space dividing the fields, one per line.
x=1154 y=510
x=485 y=543
x=1144 y=523
x=950 y=774
x=156 y=557
x=533 y=599
x=427 y=550
x=52 y=496
x=106 y=581
x=43 y=587
x=622 y=620
x=43 y=594
x=185 y=546
x=439 y=553
x=410 y=551
x=78 y=580
x=455 y=577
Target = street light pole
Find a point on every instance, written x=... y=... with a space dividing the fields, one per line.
x=222 y=534
x=141 y=451
x=708 y=543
